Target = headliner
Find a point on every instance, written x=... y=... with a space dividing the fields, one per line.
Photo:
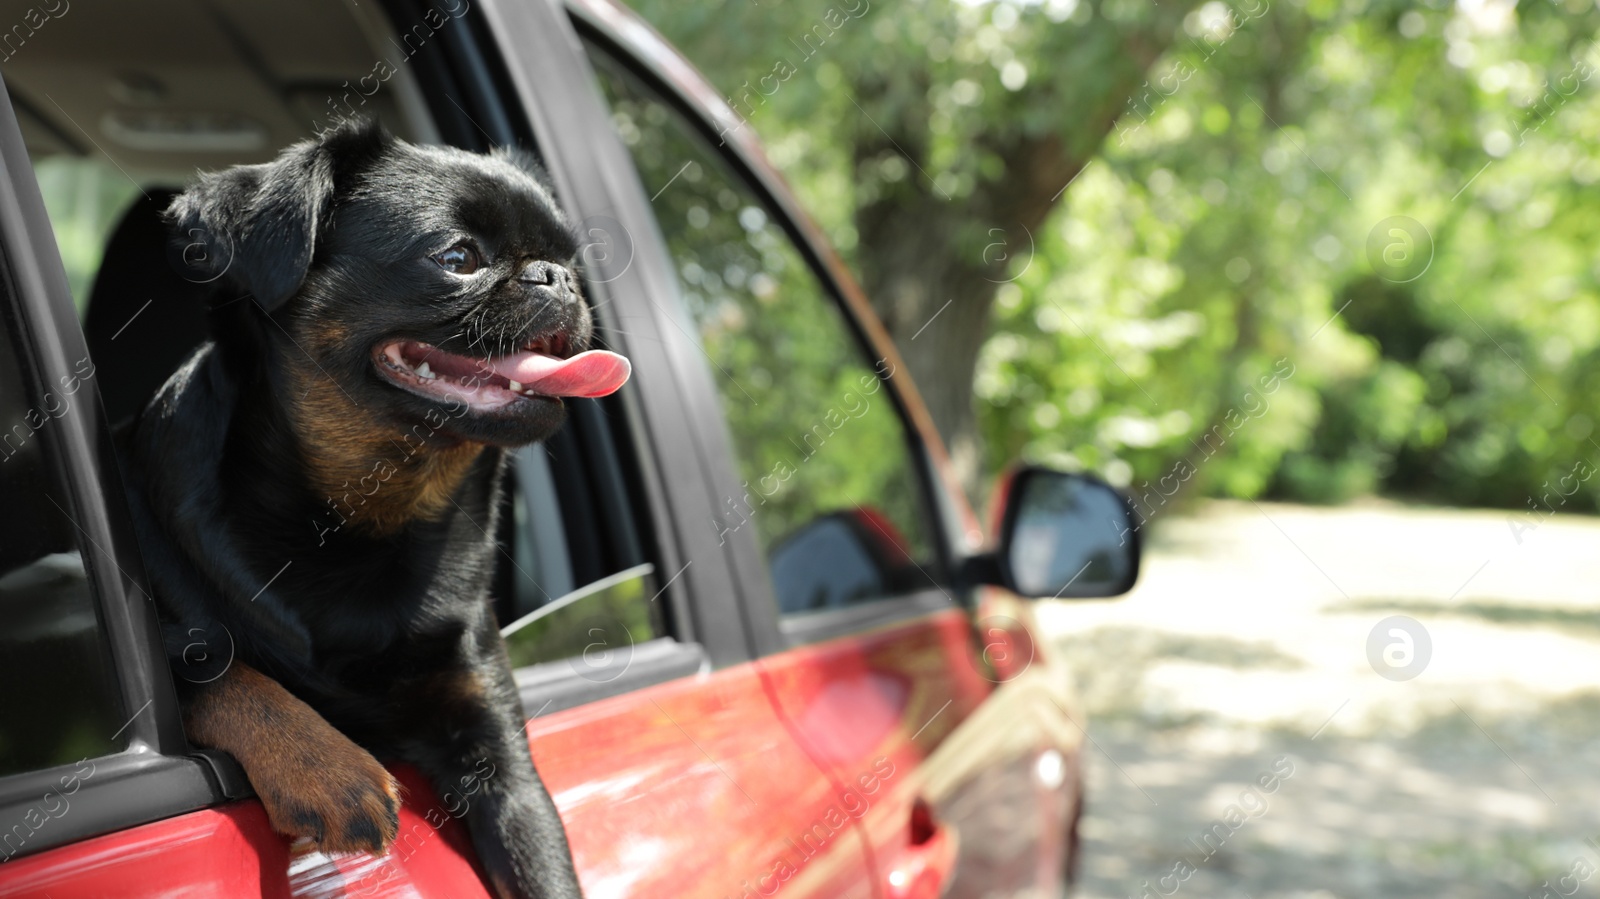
x=166 y=87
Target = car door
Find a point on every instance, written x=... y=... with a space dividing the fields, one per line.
x=948 y=739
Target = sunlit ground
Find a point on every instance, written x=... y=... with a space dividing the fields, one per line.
x=1248 y=633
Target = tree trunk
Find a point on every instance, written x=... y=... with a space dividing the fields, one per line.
x=938 y=311
x=932 y=264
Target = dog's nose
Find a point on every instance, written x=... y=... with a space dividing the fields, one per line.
x=548 y=274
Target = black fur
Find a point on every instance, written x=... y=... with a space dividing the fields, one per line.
x=386 y=632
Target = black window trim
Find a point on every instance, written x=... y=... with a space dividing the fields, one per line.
x=671 y=407
x=551 y=687
x=936 y=503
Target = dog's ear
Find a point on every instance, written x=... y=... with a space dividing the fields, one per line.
x=258 y=225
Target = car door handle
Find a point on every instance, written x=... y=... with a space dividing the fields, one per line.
x=922 y=868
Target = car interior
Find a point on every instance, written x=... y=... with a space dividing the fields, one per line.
x=132 y=102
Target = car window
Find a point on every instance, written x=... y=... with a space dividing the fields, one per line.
x=829 y=485
x=59 y=703
x=85 y=197
x=584 y=625
x=549 y=617
x=143 y=315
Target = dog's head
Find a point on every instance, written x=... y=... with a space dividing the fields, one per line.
x=427 y=283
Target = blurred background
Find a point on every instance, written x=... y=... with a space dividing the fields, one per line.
x=1316 y=281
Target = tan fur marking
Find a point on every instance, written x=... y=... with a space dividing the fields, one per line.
x=313 y=781
x=377 y=477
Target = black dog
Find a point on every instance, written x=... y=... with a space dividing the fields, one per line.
x=318 y=486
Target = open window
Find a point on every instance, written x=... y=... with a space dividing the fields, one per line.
x=88 y=721
x=118 y=114
x=61 y=708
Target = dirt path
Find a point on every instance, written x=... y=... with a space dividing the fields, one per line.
x=1245 y=646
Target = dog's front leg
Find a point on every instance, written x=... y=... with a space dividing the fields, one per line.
x=313 y=781
x=471 y=744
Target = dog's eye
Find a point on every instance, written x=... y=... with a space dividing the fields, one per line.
x=460 y=259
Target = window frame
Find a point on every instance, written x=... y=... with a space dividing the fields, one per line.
x=744 y=158
x=156 y=775
x=475 y=100
x=672 y=416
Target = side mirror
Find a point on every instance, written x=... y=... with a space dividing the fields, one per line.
x=839 y=559
x=1062 y=536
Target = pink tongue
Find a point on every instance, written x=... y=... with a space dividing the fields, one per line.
x=594 y=373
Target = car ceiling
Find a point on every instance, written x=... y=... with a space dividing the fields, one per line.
x=166 y=87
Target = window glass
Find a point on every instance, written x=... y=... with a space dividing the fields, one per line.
x=595 y=627
x=830 y=488
x=85 y=198
x=548 y=618
x=59 y=701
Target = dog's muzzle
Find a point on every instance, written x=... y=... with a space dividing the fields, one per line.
x=548 y=274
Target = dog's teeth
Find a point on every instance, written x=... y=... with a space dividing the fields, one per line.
x=516 y=386
x=424 y=371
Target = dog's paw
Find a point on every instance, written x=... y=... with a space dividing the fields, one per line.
x=312 y=779
x=337 y=795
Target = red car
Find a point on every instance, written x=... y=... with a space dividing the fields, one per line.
x=758 y=640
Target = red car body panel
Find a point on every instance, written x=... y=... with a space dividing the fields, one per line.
x=872 y=709
x=688 y=789
x=232 y=851
x=804 y=772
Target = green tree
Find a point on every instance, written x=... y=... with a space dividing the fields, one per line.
x=1307 y=248
x=951 y=131
x=1250 y=217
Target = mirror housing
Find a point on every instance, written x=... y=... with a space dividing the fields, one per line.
x=1062 y=536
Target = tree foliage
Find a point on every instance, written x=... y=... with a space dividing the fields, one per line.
x=934 y=137
x=1384 y=212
